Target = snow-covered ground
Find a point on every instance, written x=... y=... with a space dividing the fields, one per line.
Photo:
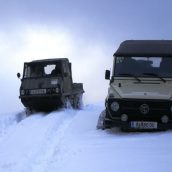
x=67 y=141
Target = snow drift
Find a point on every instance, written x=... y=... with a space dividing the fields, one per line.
x=67 y=140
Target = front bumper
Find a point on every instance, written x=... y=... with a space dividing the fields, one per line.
x=131 y=107
x=109 y=123
x=42 y=102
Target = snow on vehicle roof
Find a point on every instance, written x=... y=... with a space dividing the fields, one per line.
x=145 y=48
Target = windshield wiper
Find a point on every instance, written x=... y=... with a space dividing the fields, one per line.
x=155 y=75
x=128 y=74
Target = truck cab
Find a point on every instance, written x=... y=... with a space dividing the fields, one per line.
x=140 y=88
x=47 y=84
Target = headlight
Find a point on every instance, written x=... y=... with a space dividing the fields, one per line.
x=114 y=106
x=22 y=92
x=54 y=81
x=124 y=117
x=164 y=119
x=57 y=90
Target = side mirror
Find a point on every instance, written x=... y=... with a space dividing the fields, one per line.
x=18 y=75
x=107 y=74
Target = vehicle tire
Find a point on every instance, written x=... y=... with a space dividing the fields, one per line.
x=100 y=122
x=77 y=102
x=28 y=111
x=67 y=103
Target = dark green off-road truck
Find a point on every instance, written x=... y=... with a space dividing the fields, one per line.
x=47 y=85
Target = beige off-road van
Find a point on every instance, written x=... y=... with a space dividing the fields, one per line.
x=140 y=90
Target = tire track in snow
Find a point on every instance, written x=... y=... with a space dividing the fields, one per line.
x=40 y=143
x=29 y=145
x=54 y=141
x=14 y=144
x=72 y=144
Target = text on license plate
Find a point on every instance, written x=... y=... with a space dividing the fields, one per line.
x=144 y=124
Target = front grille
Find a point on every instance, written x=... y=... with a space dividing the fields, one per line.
x=131 y=107
x=154 y=105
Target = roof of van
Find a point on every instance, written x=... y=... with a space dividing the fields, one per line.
x=145 y=48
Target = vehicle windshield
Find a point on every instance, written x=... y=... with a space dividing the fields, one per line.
x=36 y=70
x=143 y=66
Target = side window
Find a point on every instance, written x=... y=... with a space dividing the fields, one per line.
x=120 y=60
x=26 y=71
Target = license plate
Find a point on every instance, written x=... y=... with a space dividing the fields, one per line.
x=144 y=125
x=38 y=91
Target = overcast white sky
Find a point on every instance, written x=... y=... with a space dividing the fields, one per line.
x=87 y=32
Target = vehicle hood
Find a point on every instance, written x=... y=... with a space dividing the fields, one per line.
x=144 y=90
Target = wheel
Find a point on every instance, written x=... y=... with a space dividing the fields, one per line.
x=100 y=122
x=77 y=102
x=28 y=111
x=67 y=103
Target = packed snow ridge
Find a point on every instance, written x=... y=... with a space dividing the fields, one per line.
x=67 y=141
